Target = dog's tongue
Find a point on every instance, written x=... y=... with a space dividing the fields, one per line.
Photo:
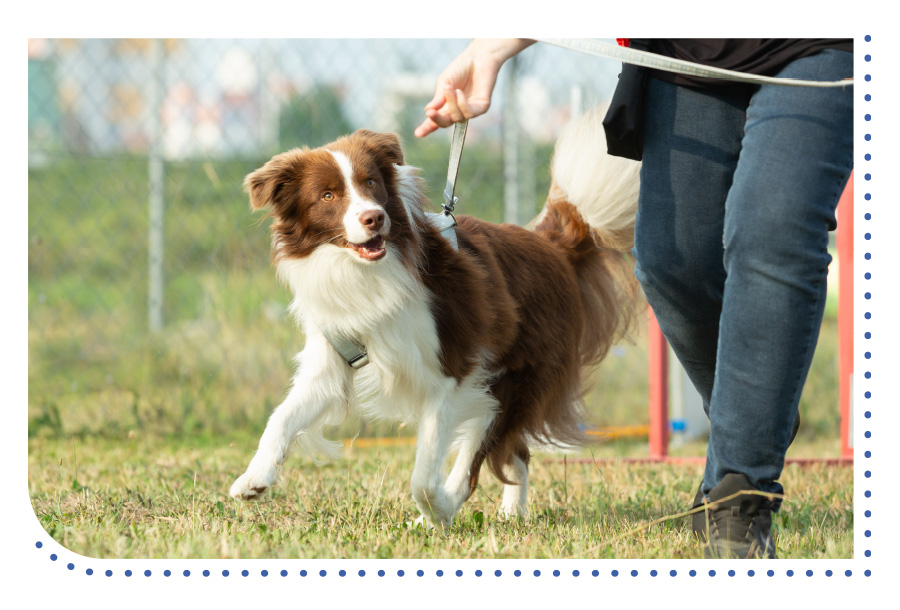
x=372 y=250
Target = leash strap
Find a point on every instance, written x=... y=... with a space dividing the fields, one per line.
x=445 y=221
x=456 y=148
x=678 y=66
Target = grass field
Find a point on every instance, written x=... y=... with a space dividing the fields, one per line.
x=134 y=438
x=129 y=479
x=152 y=498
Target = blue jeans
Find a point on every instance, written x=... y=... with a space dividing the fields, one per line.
x=738 y=192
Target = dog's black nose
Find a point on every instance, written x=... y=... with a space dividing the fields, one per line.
x=372 y=219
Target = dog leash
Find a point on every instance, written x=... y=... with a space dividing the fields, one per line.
x=446 y=221
x=678 y=66
x=352 y=351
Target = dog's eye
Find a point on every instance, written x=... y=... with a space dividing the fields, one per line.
x=328 y=196
x=370 y=183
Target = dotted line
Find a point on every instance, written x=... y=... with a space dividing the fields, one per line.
x=458 y=573
x=868 y=316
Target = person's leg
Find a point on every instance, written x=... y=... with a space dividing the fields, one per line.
x=795 y=160
x=691 y=148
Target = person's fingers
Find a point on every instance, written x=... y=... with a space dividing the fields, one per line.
x=437 y=101
x=463 y=104
x=456 y=108
x=478 y=94
x=427 y=127
x=463 y=92
x=456 y=75
x=451 y=109
x=440 y=117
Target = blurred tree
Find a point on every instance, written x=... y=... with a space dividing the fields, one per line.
x=312 y=119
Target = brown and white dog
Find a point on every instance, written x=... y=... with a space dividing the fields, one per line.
x=483 y=348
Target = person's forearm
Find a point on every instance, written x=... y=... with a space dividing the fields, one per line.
x=500 y=49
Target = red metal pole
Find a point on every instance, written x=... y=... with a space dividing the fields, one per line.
x=845 y=314
x=659 y=390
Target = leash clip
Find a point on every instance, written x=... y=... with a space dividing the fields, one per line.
x=449 y=200
x=444 y=223
x=359 y=360
x=448 y=206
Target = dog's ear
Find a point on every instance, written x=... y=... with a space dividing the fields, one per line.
x=385 y=145
x=265 y=184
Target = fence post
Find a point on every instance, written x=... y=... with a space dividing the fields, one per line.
x=157 y=188
x=845 y=316
x=269 y=119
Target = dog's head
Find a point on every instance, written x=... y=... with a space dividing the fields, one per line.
x=345 y=194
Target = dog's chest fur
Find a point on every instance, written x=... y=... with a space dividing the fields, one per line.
x=383 y=307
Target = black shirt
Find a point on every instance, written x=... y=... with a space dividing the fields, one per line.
x=765 y=56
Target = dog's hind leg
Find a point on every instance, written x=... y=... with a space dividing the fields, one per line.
x=515 y=497
x=319 y=393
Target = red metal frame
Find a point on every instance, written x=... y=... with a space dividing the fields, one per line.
x=696 y=460
x=658 y=352
x=845 y=313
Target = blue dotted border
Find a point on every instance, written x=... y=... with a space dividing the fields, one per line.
x=867 y=335
x=750 y=573
x=400 y=573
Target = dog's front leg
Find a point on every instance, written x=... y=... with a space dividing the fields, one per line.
x=432 y=446
x=472 y=435
x=320 y=384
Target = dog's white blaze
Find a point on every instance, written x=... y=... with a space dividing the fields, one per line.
x=355 y=231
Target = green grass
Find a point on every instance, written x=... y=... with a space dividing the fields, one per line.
x=134 y=438
x=155 y=498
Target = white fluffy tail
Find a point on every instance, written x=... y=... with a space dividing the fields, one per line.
x=602 y=187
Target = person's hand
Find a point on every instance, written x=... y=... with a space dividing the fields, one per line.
x=464 y=88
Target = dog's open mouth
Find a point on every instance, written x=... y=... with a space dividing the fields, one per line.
x=372 y=250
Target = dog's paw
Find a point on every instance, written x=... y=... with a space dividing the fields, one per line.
x=251 y=485
x=420 y=523
x=435 y=507
x=512 y=512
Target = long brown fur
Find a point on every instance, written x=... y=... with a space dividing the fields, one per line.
x=573 y=298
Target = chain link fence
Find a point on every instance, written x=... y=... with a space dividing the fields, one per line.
x=152 y=304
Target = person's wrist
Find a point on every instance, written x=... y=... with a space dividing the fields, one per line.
x=497 y=49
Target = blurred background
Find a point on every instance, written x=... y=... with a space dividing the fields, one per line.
x=153 y=306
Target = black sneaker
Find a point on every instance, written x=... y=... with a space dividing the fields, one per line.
x=738 y=527
x=698 y=519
